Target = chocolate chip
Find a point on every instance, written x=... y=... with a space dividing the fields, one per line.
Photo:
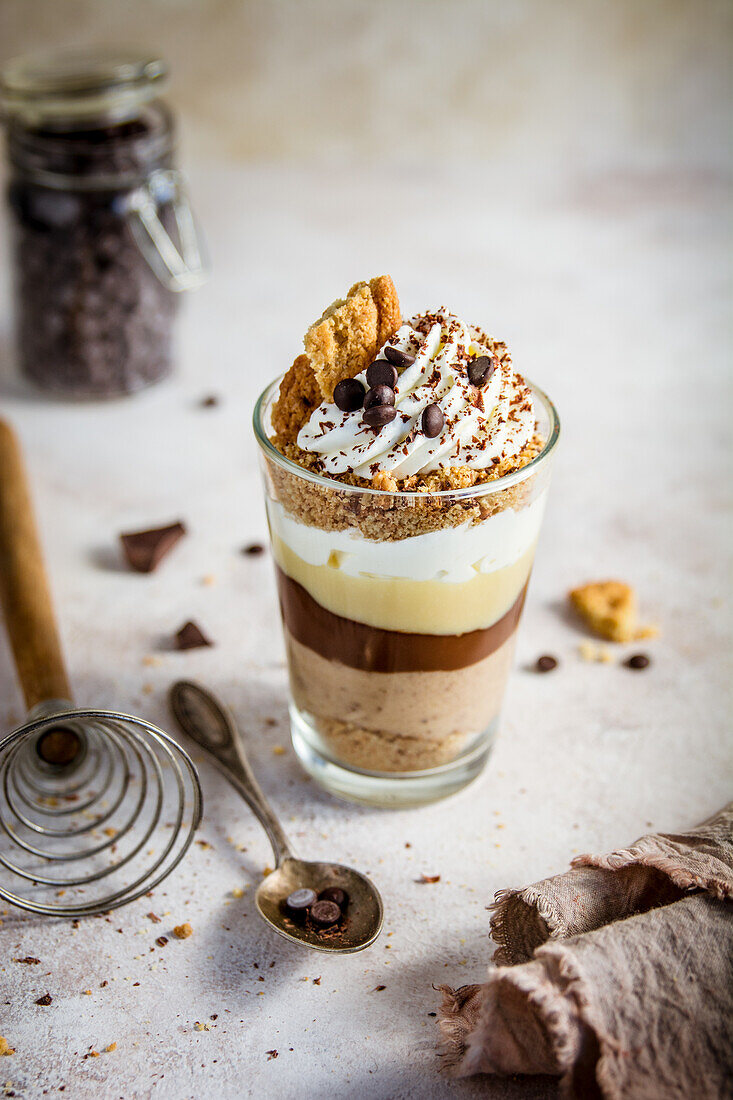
x=397 y=357
x=379 y=395
x=45 y=1000
x=638 y=661
x=335 y=894
x=546 y=663
x=349 y=395
x=145 y=550
x=324 y=913
x=481 y=369
x=432 y=421
x=190 y=636
x=382 y=373
x=253 y=550
x=300 y=900
x=209 y=402
x=379 y=415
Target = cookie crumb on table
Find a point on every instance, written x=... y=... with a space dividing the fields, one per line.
x=183 y=931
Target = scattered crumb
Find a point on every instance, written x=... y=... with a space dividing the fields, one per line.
x=148 y=689
x=204 y=844
x=208 y=580
x=29 y=960
x=238 y=892
x=378 y=988
x=45 y=1000
x=591 y=651
x=87 y=992
x=183 y=931
x=110 y=1048
x=253 y=550
x=428 y=878
x=271 y=1054
x=5 y=1048
x=94 y=1054
x=317 y=981
x=267 y=871
x=109 y=831
x=150 y=661
x=202 y=1027
x=279 y=750
x=153 y=918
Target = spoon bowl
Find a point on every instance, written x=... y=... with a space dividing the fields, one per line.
x=204 y=719
x=363 y=919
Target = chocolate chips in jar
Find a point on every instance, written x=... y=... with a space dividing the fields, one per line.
x=91 y=172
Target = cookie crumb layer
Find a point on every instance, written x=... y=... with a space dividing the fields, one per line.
x=409 y=509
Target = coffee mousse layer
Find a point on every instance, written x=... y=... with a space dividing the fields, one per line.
x=372 y=649
x=397 y=721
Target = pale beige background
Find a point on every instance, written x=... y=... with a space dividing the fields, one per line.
x=568 y=82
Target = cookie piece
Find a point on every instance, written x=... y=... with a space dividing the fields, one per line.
x=609 y=608
x=299 y=395
x=349 y=334
x=340 y=344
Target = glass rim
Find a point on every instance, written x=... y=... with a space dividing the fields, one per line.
x=498 y=484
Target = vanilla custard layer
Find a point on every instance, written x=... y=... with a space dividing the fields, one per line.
x=414 y=606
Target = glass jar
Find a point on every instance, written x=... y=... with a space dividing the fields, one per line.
x=102 y=234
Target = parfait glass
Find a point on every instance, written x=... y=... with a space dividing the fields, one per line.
x=400 y=612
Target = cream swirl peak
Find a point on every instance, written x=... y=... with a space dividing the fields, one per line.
x=482 y=425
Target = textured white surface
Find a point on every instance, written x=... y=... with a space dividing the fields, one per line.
x=612 y=289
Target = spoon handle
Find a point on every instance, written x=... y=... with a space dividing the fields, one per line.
x=208 y=722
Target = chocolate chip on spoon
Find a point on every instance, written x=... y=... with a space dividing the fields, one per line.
x=481 y=369
x=379 y=395
x=432 y=421
x=397 y=357
x=379 y=415
x=348 y=395
x=324 y=913
x=335 y=894
x=300 y=900
x=382 y=373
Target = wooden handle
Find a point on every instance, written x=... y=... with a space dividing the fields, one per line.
x=24 y=592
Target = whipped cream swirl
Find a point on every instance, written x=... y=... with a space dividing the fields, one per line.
x=481 y=426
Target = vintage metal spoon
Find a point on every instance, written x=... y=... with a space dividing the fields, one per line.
x=211 y=726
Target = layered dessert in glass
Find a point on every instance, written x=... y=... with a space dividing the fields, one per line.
x=406 y=467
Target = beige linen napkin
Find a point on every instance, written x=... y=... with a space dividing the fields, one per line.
x=619 y=976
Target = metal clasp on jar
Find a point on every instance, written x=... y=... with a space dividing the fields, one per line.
x=180 y=266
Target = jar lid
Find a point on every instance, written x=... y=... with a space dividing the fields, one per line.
x=71 y=87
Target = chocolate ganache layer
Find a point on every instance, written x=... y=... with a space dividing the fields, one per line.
x=375 y=650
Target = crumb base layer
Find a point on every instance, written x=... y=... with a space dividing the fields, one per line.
x=389 y=790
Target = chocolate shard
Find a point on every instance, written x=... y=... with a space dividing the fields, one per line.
x=144 y=550
x=190 y=636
